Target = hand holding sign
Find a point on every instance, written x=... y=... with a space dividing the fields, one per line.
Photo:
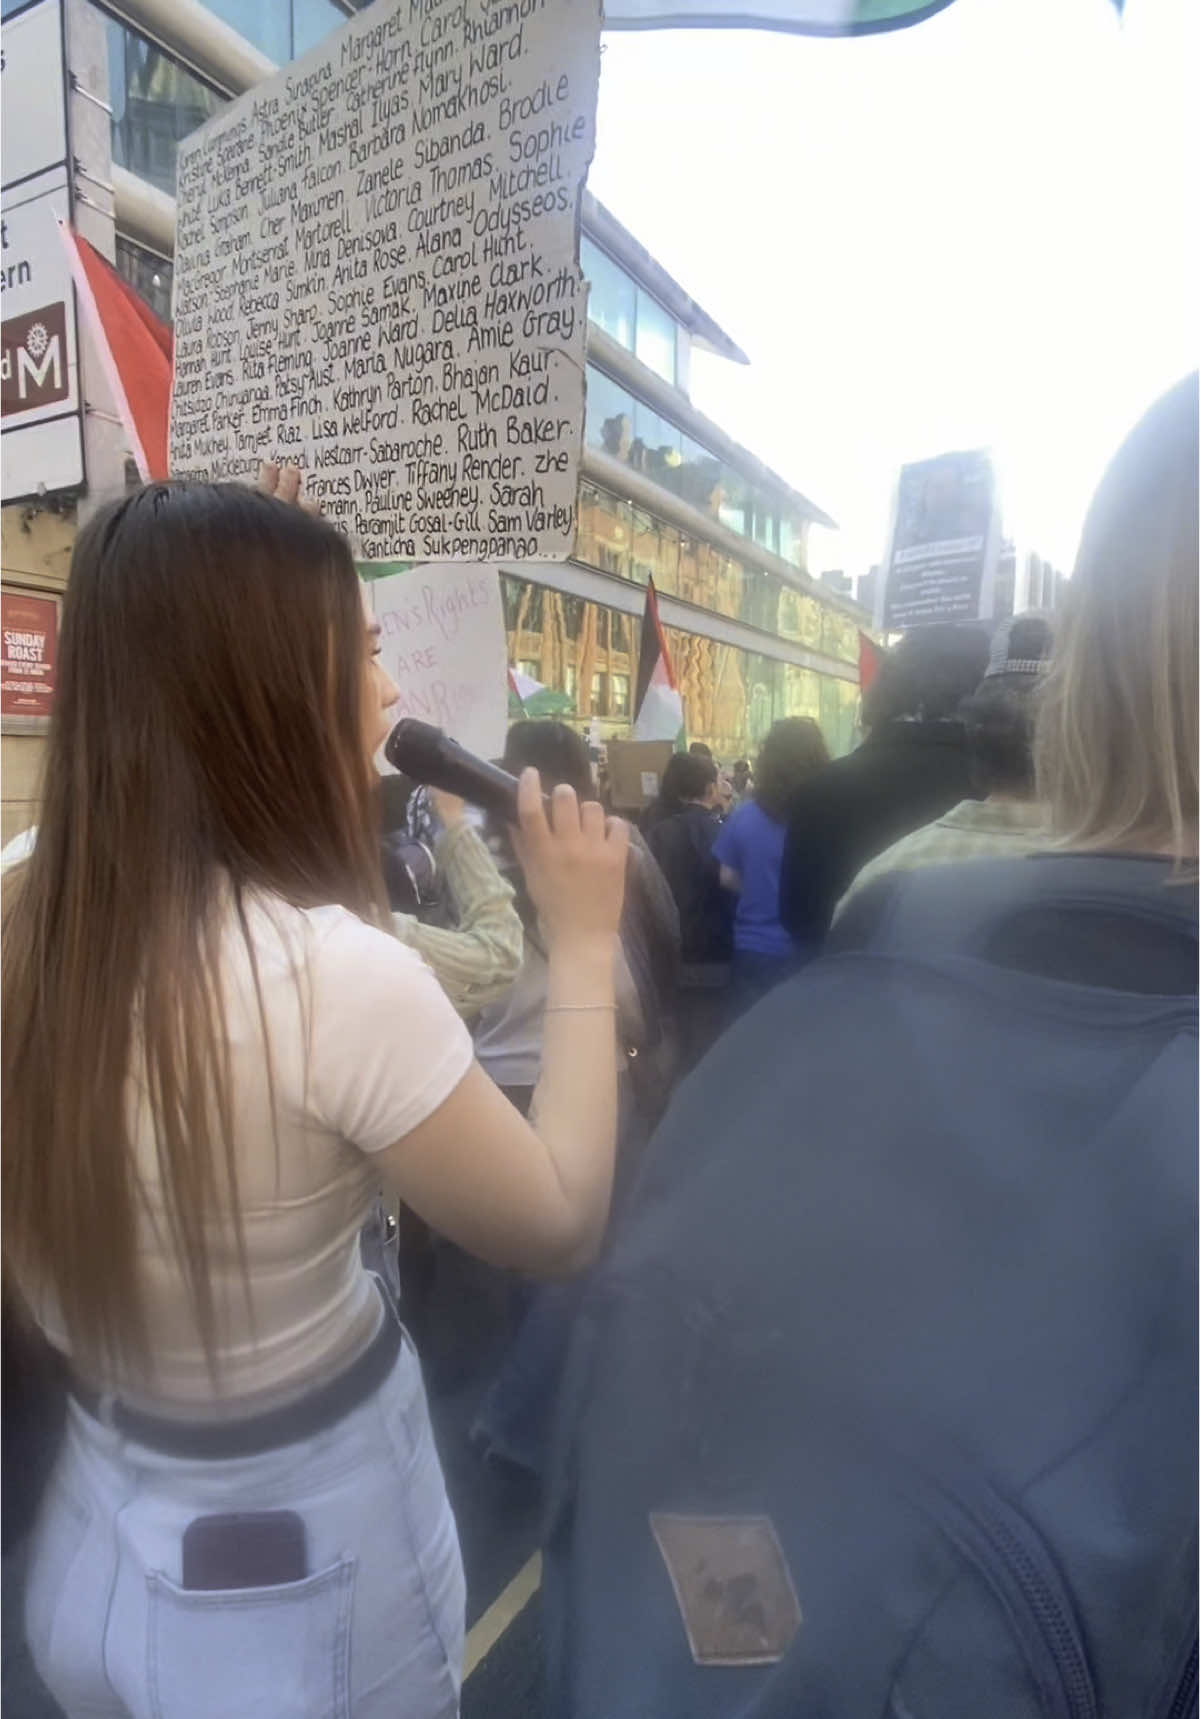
x=285 y=484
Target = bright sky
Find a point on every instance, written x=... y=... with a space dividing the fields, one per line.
x=978 y=231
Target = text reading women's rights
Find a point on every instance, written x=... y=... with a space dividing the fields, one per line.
x=376 y=278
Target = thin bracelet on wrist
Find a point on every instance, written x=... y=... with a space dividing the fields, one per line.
x=577 y=1008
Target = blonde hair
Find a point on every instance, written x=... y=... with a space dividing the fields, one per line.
x=1116 y=748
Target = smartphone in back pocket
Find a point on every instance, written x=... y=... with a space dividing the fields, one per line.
x=250 y=1549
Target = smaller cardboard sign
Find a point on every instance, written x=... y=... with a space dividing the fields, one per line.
x=29 y=651
x=442 y=641
x=635 y=770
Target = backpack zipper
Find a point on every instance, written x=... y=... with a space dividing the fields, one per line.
x=1006 y=1550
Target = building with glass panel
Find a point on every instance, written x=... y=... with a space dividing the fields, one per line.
x=665 y=492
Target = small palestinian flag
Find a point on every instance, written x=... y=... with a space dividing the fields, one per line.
x=657 y=706
x=531 y=698
x=870 y=660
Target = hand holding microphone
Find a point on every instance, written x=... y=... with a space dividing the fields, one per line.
x=573 y=858
x=425 y=754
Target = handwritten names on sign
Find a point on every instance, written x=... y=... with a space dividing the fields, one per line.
x=376 y=278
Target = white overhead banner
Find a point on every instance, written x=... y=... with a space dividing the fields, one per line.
x=376 y=278
x=41 y=439
x=797 y=17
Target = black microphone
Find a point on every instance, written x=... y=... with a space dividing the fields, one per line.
x=424 y=753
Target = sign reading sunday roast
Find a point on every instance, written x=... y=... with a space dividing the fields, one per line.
x=376 y=278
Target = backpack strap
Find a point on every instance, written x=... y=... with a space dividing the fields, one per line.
x=960 y=909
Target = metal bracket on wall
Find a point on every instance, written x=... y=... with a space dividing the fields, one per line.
x=78 y=89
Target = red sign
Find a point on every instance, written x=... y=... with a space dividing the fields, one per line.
x=29 y=647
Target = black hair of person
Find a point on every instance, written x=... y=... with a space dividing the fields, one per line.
x=927 y=675
x=687 y=777
x=555 y=751
x=1000 y=719
x=793 y=751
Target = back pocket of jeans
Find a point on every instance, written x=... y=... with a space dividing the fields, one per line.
x=262 y=1653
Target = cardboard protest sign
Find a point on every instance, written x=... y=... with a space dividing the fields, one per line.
x=443 y=642
x=635 y=769
x=376 y=278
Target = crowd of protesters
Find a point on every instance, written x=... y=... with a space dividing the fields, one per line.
x=263 y=1016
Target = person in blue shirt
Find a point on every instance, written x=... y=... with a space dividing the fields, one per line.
x=750 y=851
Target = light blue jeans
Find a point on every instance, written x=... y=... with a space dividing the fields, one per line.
x=376 y=1628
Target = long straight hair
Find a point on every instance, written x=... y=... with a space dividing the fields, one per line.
x=207 y=740
x=1116 y=748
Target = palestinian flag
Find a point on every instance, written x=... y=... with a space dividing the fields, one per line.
x=870 y=660
x=530 y=698
x=657 y=706
x=135 y=350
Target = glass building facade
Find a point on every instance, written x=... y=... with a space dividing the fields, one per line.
x=731 y=696
x=629 y=314
x=280 y=29
x=618 y=537
x=157 y=101
x=148 y=274
x=632 y=431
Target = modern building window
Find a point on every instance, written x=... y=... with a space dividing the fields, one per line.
x=657 y=446
x=630 y=430
x=655 y=343
x=609 y=419
x=280 y=29
x=612 y=300
x=148 y=274
x=155 y=102
x=628 y=313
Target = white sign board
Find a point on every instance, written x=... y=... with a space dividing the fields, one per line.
x=40 y=430
x=940 y=563
x=376 y=278
x=442 y=641
x=34 y=107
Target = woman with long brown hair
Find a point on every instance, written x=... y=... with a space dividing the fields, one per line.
x=214 y=1053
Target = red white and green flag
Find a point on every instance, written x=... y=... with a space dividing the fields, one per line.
x=657 y=705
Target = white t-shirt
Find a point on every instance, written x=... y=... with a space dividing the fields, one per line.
x=364 y=1046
